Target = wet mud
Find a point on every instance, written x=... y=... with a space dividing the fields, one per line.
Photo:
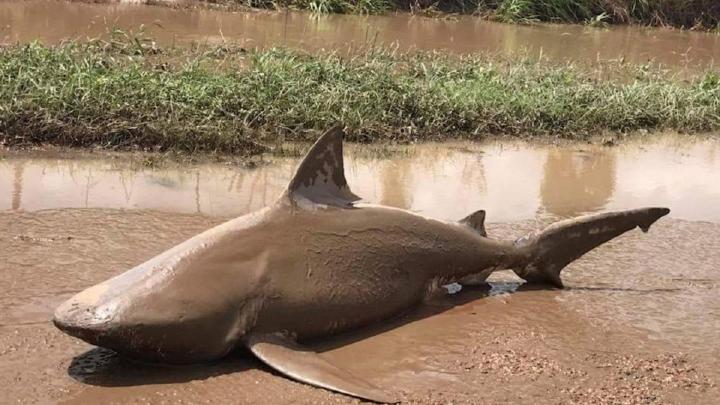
x=637 y=323
x=52 y=21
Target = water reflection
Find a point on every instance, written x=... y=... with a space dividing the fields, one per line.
x=394 y=176
x=17 y=185
x=588 y=178
x=512 y=181
x=53 y=21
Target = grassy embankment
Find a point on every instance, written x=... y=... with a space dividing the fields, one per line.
x=702 y=14
x=126 y=94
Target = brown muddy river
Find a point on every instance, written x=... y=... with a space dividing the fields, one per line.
x=638 y=323
x=52 y=21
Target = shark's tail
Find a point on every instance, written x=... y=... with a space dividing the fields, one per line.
x=550 y=250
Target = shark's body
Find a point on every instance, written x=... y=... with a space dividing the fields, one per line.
x=311 y=265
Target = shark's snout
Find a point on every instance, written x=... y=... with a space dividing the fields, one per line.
x=148 y=326
x=179 y=307
x=88 y=321
x=76 y=329
x=107 y=325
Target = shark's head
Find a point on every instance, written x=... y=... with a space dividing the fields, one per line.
x=185 y=305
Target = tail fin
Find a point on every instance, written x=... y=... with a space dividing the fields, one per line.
x=560 y=243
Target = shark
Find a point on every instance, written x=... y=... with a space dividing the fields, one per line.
x=315 y=263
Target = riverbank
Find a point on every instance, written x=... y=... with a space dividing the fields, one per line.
x=127 y=93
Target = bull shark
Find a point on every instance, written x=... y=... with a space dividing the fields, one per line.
x=313 y=264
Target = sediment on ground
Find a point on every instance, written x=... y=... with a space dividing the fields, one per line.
x=127 y=93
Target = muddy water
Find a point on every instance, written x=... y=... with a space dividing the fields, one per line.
x=638 y=323
x=52 y=21
x=512 y=181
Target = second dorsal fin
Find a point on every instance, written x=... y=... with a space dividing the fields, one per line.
x=320 y=178
x=476 y=221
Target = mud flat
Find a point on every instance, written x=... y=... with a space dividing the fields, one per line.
x=638 y=322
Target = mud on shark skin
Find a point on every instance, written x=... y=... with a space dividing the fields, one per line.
x=313 y=264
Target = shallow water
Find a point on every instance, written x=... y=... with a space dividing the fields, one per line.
x=71 y=221
x=511 y=181
x=52 y=21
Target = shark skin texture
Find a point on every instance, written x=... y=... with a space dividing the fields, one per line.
x=313 y=264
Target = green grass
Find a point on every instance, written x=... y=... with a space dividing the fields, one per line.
x=546 y=10
x=318 y=6
x=128 y=94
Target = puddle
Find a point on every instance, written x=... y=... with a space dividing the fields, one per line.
x=511 y=181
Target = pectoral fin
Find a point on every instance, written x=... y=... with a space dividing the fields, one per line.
x=287 y=357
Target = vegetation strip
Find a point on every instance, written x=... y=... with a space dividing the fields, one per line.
x=126 y=93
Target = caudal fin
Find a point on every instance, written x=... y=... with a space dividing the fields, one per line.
x=560 y=243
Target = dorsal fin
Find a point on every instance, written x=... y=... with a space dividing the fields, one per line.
x=320 y=178
x=476 y=221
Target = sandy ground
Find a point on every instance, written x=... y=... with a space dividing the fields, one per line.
x=610 y=338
